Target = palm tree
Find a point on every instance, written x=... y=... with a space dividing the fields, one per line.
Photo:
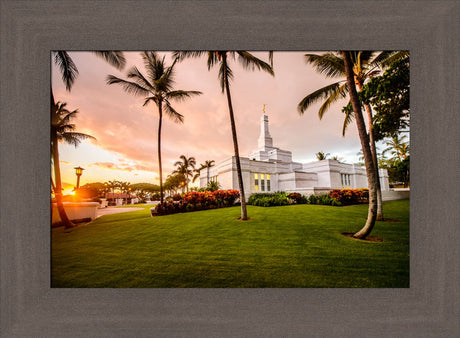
x=364 y=138
x=125 y=188
x=157 y=87
x=206 y=165
x=397 y=148
x=321 y=156
x=186 y=166
x=112 y=185
x=69 y=72
x=197 y=172
x=62 y=131
x=248 y=61
x=366 y=64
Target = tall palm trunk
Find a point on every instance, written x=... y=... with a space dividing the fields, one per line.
x=374 y=158
x=368 y=160
x=57 y=171
x=207 y=175
x=244 y=215
x=376 y=165
x=160 y=112
x=58 y=184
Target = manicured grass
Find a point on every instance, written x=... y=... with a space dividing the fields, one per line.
x=288 y=246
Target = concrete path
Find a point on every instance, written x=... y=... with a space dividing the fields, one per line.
x=114 y=210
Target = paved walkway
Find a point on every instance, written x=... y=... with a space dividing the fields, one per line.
x=114 y=210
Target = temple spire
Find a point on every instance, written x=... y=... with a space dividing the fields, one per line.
x=265 y=139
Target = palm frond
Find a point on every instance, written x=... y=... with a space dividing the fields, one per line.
x=128 y=86
x=139 y=78
x=66 y=117
x=327 y=64
x=150 y=98
x=322 y=93
x=172 y=113
x=249 y=61
x=270 y=58
x=224 y=69
x=153 y=65
x=349 y=117
x=166 y=81
x=341 y=92
x=213 y=58
x=67 y=66
x=395 y=57
x=181 y=95
x=114 y=58
x=182 y=55
x=75 y=138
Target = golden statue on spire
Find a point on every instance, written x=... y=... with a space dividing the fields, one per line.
x=263 y=109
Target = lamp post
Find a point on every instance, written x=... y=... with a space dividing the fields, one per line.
x=78 y=172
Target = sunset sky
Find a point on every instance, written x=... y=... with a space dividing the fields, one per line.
x=126 y=132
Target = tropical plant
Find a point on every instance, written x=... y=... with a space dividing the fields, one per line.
x=350 y=196
x=112 y=185
x=174 y=182
x=389 y=96
x=337 y=158
x=248 y=61
x=69 y=70
x=156 y=87
x=125 y=188
x=277 y=198
x=62 y=130
x=144 y=190
x=185 y=166
x=206 y=165
x=321 y=156
x=365 y=64
x=397 y=148
x=212 y=186
x=197 y=200
x=364 y=138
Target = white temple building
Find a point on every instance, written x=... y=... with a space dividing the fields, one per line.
x=270 y=169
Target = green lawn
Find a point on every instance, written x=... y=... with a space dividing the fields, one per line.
x=288 y=246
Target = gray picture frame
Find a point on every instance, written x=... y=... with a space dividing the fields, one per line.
x=31 y=29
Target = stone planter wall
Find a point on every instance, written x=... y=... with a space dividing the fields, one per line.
x=82 y=211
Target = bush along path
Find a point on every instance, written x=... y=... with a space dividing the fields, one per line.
x=195 y=201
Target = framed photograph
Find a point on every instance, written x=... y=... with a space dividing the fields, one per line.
x=40 y=301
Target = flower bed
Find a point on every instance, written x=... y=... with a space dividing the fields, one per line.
x=350 y=196
x=196 y=200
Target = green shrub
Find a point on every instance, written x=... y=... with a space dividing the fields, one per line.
x=312 y=199
x=269 y=199
x=303 y=200
x=323 y=199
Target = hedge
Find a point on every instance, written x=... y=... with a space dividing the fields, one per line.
x=350 y=196
x=196 y=200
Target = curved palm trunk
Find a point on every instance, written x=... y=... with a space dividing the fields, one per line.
x=207 y=175
x=376 y=165
x=160 y=111
x=58 y=184
x=368 y=160
x=374 y=158
x=244 y=214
